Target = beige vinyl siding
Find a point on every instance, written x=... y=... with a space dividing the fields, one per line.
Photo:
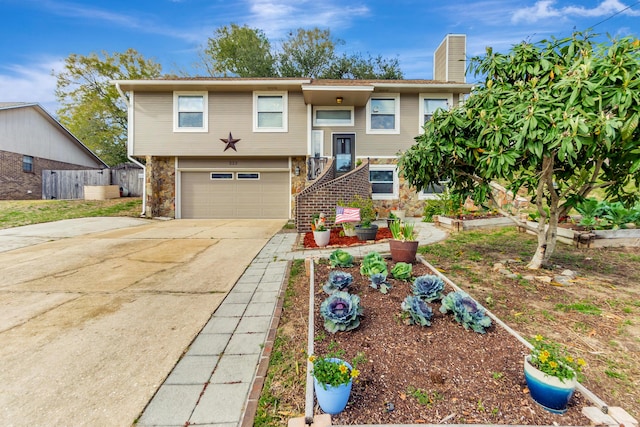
x=26 y=131
x=457 y=58
x=440 y=63
x=228 y=112
x=233 y=163
x=371 y=145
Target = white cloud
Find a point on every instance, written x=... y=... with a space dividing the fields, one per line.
x=277 y=17
x=546 y=9
x=31 y=83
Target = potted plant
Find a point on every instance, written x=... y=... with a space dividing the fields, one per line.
x=332 y=380
x=366 y=230
x=321 y=234
x=392 y=217
x=551 y=374
x=403 y=244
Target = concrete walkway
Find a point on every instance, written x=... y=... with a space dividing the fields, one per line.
x=219 y=379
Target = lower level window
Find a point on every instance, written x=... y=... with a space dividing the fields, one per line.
x=384 y=182
x=433 y=191
x=248 y=175
x=217 y=176
x=27 y=164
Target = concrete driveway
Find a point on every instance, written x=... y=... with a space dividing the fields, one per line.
x=91 y=324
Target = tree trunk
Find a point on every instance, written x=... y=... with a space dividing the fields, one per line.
x=547 y=230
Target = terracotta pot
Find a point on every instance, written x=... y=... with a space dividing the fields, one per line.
x=403 y=251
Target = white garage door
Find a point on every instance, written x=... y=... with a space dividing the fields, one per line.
x=234 y=195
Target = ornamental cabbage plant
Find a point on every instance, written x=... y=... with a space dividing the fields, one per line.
x=340 y=258
x=419 y=312
x=379 y=281
x=338 y=281
x=341 y=312
x=402 y=271
x=466 y=311
x=373 y=263
x=428 y=287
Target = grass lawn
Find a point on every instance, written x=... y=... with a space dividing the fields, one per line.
x=14 y=213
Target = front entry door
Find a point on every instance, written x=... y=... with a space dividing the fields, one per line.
x=344 y=149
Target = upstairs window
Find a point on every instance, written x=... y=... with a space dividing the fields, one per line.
x=190 y=111
x=429 y=103
x=383 y=114
x=27 y=164
x=270 y=111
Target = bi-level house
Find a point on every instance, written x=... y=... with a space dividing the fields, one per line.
x=250 y=148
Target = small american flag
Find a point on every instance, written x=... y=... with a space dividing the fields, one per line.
x=347 y=214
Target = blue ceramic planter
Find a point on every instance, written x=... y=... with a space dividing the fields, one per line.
x=547 y=391
x=333 y=400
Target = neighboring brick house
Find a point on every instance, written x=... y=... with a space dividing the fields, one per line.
x=31 y=140
x=245 y=147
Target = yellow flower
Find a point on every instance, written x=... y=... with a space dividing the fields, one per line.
x=312 y=359
x=553 y=364
x=569 y=359
x=343 y=369
x=544 y=356
x=581 y=362
x=355 y=373
x=538 y=338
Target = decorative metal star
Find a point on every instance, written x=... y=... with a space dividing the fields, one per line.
x=231 y=142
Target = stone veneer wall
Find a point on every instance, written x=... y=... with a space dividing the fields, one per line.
x=160 y=181
x=15 y=184
x=407 y=197
x=325 y=192
x=297 y=182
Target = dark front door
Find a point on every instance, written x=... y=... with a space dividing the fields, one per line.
x=344 y=149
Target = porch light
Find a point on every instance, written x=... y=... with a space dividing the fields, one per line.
x=339 y=100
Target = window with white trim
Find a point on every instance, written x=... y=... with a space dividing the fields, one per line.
x=383 y=114
x=429 y=103
x=270 y=111
x=221 y=176
x=384 y=182
x=190 y=111
x=248 y=176
x=333 y=116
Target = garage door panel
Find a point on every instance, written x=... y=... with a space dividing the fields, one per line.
x=266 y=197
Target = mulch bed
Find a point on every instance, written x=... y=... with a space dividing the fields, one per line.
x=341 y=241
x=463 y=377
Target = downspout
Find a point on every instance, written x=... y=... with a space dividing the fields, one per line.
x=130 y=149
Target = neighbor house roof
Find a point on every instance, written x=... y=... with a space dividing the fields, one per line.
x=53 y=121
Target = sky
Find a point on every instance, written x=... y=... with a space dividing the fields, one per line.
x=37 y=35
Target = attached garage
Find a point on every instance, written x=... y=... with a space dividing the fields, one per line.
x=251 y=191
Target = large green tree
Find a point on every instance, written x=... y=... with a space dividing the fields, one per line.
x=239 y=51
x=246 y=52
x=91 y=107
x=557 y=118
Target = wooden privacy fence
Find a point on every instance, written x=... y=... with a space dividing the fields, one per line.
x=69 y=184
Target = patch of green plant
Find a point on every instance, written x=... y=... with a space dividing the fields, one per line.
x=580 y=307
x=547 y=315
x=581 y=327
x=497 y=375
x=15 y=213
x=424 y=397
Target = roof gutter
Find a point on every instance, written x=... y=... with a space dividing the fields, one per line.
x=129 y=145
